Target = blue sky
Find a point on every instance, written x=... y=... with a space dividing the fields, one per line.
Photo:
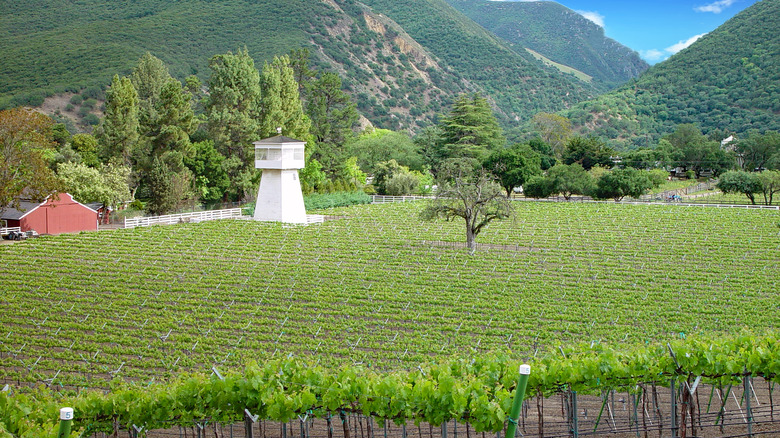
x=657 y=29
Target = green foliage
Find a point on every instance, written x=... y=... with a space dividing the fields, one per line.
x=726 y=80
x=538 y=187
x=694 y=152
x=149 y=77
x=472 y=196
x=386 y=171
x=587 y=152
x=554 y=130
x=379 y=145
x=619 y=183
x=333 y=115
x=760 y=151
x=106 y=184
x=570 y=179
x=546 y=154
x=60 y=133
x=87 y=147
x=770 y=184
x=740 y=182
x=477 y=391
x=658 y=177
x=513 y=166
x=163 y=194
x=119 y=134
x=477 y=56
x=281 y=102
x=208 y=169
x=379 y=248
x=233 y=112
x=25 y=145
x=402 y=183
x=312 y=176
x=321 y=201
x=420 y=65
x=470 y=129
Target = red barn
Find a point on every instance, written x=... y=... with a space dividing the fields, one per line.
x=52 y=216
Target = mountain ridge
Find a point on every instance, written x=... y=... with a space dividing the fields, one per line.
x=728 y=80
x=401 y=76
x=558 y=33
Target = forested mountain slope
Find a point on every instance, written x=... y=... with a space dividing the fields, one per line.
x=558 y=33
x=401 y=66
x=520 y=85
x=728 y=80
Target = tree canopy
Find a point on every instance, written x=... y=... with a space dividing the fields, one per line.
x=470 y=129
x=514 y=166
x=25 y=140
x=472 y=196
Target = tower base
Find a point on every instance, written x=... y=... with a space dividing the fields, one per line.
x=280 y=198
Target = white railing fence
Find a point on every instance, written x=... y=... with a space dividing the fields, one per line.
x=197 y=216
x=384 y=199
x=8 y=230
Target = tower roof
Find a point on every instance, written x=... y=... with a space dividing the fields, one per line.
x=278 y=139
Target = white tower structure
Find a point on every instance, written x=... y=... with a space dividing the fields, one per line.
x=280 y=198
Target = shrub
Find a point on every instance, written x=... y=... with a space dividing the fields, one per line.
x=91 y=119
x=76 y=99
x=319 y=201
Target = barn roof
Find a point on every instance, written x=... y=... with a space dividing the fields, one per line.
x=25 y=207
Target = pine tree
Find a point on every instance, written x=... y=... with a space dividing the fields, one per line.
x=281 y=104
x=175 y=121
x=471 y=130
x=233 y=108
x=119 y=132
x=333 y=115
x=149 y=77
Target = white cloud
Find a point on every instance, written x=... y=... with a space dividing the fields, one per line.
x=715 y=7
x=593 y=16
x=653 y=55
x=674 y=48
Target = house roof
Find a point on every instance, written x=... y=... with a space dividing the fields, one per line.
x=278 y=139
x=25 y=207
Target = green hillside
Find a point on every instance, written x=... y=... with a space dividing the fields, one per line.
x=520 y=85
x=401 y=75
x=728 y=80
x=559 y=34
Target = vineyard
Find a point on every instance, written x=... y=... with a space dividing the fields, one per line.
x=590 y=294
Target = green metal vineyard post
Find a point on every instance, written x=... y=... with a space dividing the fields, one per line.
x=748 y=410
x=514 y=413
x=673 y=409
x=66 y=418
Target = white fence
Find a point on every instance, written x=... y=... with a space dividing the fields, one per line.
x=9 y=230
x=382 y=199
x=197 y=216
x=682 y=204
